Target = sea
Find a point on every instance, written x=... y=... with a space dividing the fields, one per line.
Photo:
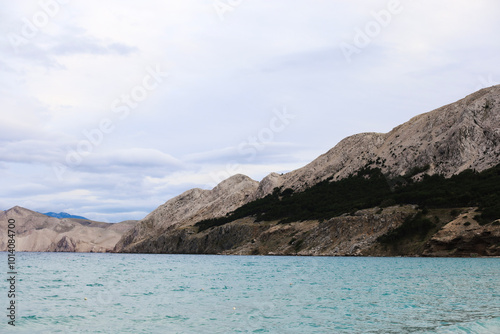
x=142 y=293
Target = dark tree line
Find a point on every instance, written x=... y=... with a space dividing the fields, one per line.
x=369 y=187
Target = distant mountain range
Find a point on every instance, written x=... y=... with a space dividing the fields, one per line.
x=36 y=232
x=61 y=215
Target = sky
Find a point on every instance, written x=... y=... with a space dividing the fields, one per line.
x=110 y=108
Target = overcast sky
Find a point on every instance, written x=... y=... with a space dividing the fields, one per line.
x=110 y=108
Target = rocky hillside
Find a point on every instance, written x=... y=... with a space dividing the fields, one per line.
x=190 y=207
x=358 y=234
x=36 y=232
x=347 y=235
x=450 y=139
x=464 y=236
x=462 y=135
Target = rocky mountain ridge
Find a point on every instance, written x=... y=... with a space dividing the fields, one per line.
x=61 y=215
x=192 y=206
x=462 y=135
x=36 y=232
x=450 y=139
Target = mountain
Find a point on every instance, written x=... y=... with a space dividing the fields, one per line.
x=192 y=206
x=61 y=215
x=36 y=232
x=448 y=141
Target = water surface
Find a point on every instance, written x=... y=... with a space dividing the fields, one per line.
x=136 y=293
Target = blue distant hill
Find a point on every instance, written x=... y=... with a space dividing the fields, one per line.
x=61 y=215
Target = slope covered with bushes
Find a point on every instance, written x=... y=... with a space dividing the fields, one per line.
x=370 y=188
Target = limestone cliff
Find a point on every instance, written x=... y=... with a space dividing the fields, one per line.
x=347 y=235
x=448 y=140
x=464 y=236
x=36 y=232
x=190 y=207
x=461 y=135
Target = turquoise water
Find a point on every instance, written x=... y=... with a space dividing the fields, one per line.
x=136 y=293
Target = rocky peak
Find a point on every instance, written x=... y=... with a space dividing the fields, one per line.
x=450 y=139
x=192 y=206
x=234 y=183
x=267 y=185
x=20 y=212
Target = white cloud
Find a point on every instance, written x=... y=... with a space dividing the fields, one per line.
x=226 y=77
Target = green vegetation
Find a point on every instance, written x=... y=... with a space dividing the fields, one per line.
x=370 y=188
x=416 y=226
x=324 y=200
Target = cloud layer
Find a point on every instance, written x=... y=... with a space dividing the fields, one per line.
x=110 y=109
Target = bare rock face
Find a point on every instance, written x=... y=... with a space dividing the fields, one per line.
x=448 y=140
x=36 y=232
x=458 y=136
x=267 y=185
x=465 y=237
x=192 y=206
x=353 y=235
x=339 y=236
x=65 y=244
